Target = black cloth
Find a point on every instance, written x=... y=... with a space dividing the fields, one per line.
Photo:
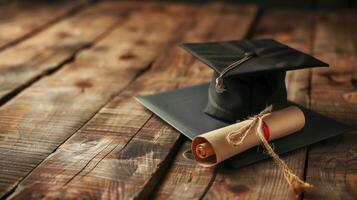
x=246 y=96
x=254 y=84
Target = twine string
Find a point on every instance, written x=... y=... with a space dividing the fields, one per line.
x=237 y=137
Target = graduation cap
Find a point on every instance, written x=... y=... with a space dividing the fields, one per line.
x=248 y=76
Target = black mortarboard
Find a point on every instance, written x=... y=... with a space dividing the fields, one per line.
x=253 y=80
x=249 y=75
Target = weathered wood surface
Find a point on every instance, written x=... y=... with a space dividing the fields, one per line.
x=48 y=50
x=332 y=165
x=21 y=19
x=136 y=156
x=264 y=179
x=77 y=132
x=185 y=179
x=42 y=117
x=259 y=179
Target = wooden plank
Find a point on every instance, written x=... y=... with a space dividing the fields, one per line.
x=41 y=118
x=21 y=19
x=26 y=62
x=332 y=168
x=333 y=88
x=185 y=179
x=196 y=72
x=264 y=179
x=113 y=167
x=332 y=164
x=257 y=180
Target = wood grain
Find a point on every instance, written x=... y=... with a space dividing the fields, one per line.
x=42 y=117
x=21 y=19
x=332 y=164
x=332 y=168
x=76 y=131
x=45 y=52
x=186 y=179
x=131 y=144
x=333 y=87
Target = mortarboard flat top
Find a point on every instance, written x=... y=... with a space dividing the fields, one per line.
x=269 y=55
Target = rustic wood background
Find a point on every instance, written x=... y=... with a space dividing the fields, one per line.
x=69 y=127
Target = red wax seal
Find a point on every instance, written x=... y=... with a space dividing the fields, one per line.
x=266 y=131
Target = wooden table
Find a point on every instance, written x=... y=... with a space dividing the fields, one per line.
x=70 y=128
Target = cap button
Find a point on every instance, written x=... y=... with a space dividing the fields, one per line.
x=219 y=85
x=249 y=54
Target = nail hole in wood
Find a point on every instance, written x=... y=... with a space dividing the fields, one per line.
x=84 y=84
x=127 y=56
x=141 y=42
x=63 y=34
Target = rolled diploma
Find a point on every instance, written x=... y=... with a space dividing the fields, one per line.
x=212 y=147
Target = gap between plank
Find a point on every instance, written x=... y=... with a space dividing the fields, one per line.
x=309 y=90
x=121 y=149
x=46 y=25
x=52 y=71
x=157 y=177
x=48 y=72
x=10 y=192
x=138 y=74
x=312 y=39
x=305 y=169
x=210 y=183
x=150 y=185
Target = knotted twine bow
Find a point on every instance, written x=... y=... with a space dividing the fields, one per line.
x=237 y=137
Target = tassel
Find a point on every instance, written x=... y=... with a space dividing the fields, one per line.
x=236 y=138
